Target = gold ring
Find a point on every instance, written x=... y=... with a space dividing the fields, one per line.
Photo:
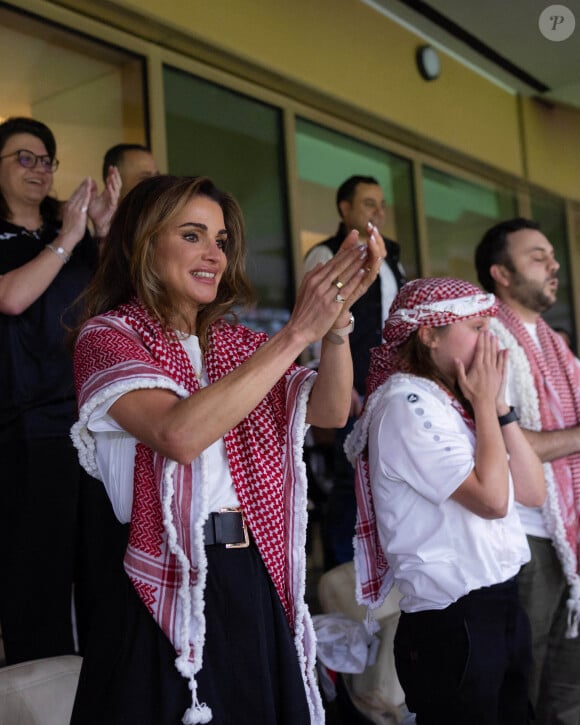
x=338 y=284
x=339 y=298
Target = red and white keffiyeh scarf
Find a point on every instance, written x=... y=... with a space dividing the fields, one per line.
x=126 y=350
x=548 y=382
x=430 y=302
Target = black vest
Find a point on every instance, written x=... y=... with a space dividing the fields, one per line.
x=367 y=311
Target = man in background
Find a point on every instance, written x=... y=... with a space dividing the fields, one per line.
x=134 y=161
x=359 y=201
x=516 y=262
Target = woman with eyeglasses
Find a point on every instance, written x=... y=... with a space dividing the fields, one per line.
x=47 y=257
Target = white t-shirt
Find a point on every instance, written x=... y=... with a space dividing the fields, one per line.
x=115 y=455
x=420 y=451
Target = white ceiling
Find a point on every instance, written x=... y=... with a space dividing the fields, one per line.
x=500 y=38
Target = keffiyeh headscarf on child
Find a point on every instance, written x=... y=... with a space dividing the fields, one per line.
x=431 y=302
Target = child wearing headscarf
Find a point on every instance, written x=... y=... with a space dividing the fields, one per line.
x=438 y=455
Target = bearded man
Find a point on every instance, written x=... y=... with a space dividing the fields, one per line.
x=516 y=262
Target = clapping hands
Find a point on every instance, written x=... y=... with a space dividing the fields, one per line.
x=102 y=206
x=328 y=290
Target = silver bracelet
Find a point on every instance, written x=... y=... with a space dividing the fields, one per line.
x=336 y=335
x=60 y=252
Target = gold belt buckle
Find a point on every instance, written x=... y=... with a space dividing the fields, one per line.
x=246 y=542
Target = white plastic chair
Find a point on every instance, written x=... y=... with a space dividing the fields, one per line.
x=39 y=692
x=376 y=692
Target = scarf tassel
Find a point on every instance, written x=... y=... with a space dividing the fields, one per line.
x=199 y=712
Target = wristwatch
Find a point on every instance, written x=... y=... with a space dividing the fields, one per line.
x=510 y=417
x=336 y=335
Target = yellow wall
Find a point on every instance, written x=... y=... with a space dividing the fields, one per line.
x=552 y=138
x=347 y=50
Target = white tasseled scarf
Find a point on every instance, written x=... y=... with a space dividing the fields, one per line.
x=549 y=382
x=128 y=350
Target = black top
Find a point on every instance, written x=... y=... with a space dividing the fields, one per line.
x=367 y=310
x=37 y=397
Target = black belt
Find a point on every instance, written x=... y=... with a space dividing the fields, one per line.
x=227 y=527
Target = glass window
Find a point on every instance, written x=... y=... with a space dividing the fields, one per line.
x=550 y=213
x=458 y=212
x=89 y=94
x=325 y=159
x=237 y=141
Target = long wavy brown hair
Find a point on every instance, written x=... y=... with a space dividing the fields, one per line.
x=127 y=268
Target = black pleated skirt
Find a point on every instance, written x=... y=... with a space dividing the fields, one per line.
x=250 y=673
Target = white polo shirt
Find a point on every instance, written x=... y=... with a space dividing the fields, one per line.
x=420 y=451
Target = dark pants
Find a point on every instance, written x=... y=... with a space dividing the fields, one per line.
x=250 y=673
x=467 y=664
x=101 y=543
x=555 y=681
x=38 y=509
x=57 y=536
x=341 y=511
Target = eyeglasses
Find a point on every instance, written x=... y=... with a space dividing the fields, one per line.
x=28 y=159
